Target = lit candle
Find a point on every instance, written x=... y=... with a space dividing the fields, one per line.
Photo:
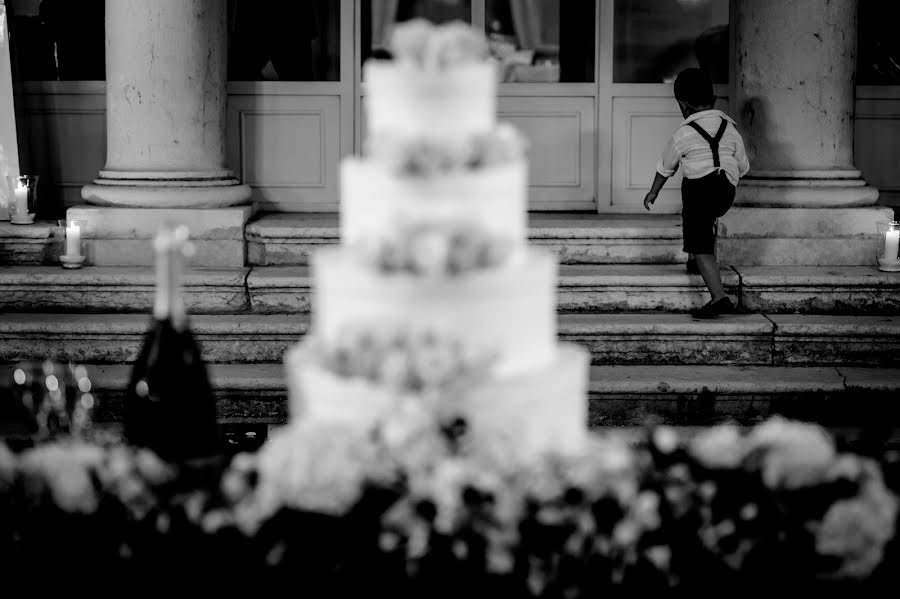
x=891 y=244
x=73 y=240
x=21 y=200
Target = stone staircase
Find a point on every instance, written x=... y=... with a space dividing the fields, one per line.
x=815 y=342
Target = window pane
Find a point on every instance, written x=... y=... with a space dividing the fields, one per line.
x=296 y=40
x=878 y=59
x=656 y=39
x=57 y=39
x=377 y=17
x=542 y=40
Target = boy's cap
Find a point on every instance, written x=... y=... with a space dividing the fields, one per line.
x=694 y=87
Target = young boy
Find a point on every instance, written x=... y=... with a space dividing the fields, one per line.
x=711 y=154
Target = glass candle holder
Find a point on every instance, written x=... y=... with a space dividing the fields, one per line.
x=889 y=240
x=73 y=231
x=23 y=203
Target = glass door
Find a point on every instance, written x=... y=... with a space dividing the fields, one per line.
x=644 y=45
x=291 y=99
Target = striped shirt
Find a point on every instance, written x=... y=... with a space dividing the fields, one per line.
x=687 y=148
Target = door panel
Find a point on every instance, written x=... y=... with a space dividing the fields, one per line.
x=561 y=151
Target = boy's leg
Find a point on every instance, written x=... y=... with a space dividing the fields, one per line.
x=709 y=270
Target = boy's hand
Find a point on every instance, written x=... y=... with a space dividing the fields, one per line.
x=649 y=199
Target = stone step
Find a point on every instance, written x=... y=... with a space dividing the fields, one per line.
x=759 y=235
x=34 y=244
x=117 y=338
x=656 y=287
x=817 y=289
x=629 y=338
x=582 y=288
x=287 y=239
x=116 y=289
x=619 y=395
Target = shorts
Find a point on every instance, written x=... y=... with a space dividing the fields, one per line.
x=703 y=201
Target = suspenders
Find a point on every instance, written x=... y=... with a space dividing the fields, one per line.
x=713 y=141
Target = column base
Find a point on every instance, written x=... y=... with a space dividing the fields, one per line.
x=171 y=193
x=116 y=236
x=808 y=189
x=767 y=236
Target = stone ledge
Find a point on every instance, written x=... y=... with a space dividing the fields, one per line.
x=116 y=289
x=35 y=244
x=620 y=395
x=123 y=236
x=635 y=287
x=117 y=338
x=550 y=225
x=286 y=226
x=670 y=338
x=288 y=239
x=813 y=223
x=703 y=395
x=747 y=339
x=790 y=251
x=106 y=222
x=717 y=380
x=808 y=289
x=541 y=225
x=245 y=393
x=826 y=339
x=208 y=253
x=581 y=288
x=279 y=289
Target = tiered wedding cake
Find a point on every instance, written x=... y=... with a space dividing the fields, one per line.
x=434 y=300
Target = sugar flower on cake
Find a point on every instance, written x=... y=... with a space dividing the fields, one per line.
x=418 y=362
x=436 y=250
x=426 y=157
x=438 y=47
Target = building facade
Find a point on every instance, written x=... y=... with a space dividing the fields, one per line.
x=213 y=103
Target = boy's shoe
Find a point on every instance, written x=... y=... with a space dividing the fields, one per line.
x=692 y=267
x=714 y=309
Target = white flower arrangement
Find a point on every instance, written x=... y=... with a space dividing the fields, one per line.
x=429 y=157
x=423 y=363
x=438 y=47
x=436 y=250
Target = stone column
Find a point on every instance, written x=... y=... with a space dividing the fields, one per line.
x=793 y=95
x=166 y=77
x=166 y=74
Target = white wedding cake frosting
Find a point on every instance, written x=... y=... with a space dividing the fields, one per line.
x=374 y=200
x=439 y=167
x=510 y=311
x=545 y=409
x=460 y=103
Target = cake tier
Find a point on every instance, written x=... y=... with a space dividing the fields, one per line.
x=509 y=310
x=542 y=410
x=407 y=101
x=374 y=201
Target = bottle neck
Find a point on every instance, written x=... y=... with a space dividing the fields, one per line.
x=169 y=303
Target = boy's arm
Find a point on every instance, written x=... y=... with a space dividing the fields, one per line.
x=740 y=154
x=658 y=182
x=665 y=168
